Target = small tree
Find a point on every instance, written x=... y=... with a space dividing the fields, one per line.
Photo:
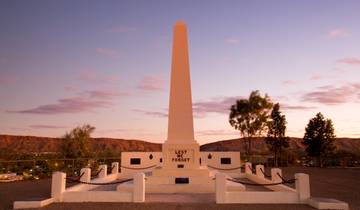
x=249 y=116
x=76 y=143
x=276 y=139
x=319 y=138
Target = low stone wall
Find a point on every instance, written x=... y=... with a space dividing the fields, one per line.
x=84 y=191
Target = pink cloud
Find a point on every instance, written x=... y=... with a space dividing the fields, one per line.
x=152 y=83
x=331 y=95
x=121 y=29
x=86 y=101
x=218 y=132
x=232 y=41
x=90 y=75
x=338 y=32
x=350 y=61
x=295 y=107
x=316 y=77
x=110 y=53
x=219 y=105
x=288 y=82
x=47 y=127
x=151 y=113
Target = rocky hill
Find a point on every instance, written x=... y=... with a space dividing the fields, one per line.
x=32 y=144
x=259 y=145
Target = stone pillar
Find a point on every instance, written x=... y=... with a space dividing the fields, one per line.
x=302 y=185
x=260 y=173
x=274 y=175
x=103 y=172
x=180 y=150
x=180 y=120
x=220 y=188
x=86 y=177
x=248 y=168
x=139 y=188
x=115 y=167
x=58 y=184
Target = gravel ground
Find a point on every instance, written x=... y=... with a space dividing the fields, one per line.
x=341 y=184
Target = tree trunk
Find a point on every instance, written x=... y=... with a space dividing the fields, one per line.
x=249 y=146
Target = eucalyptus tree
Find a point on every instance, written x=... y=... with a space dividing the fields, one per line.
x=276 y=139
x=249 y=116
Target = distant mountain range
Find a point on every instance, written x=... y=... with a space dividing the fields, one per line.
x=33 y=144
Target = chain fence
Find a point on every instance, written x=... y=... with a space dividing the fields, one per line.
x=42 y=168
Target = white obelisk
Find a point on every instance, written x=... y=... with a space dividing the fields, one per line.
x=180 y=150
x=180 y=121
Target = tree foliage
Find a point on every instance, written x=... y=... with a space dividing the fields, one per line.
x=76 y=143
x=319 y=138
x=250 y=116
x=276 y=139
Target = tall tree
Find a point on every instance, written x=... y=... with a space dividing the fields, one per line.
x=76 y=143
x=276 y=139
x=249 y=116
x=319 y=138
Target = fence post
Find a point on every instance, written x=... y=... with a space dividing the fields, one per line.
x=139 y=188
x=302 y=185
x=275 y=175
x=58 y=182
x=260 y=173
x=115 y=167
x=248 y=168
x=103 y=172
x=86 y=176
x=220 y=188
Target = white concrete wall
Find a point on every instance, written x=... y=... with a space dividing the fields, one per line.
x=215 y=162
x=124 y=170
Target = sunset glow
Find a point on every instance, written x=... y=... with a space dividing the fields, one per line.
x=64 y=64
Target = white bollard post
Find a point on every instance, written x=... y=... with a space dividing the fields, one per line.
x=139 y=188
x=86 y=174
x=115 y=168
x=248 y=168
x=58 y=183
x=220 y=187
x=103 y=172
x=260 y=173
x=302 y=185
x=275 y=175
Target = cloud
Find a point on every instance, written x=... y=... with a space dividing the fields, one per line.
x=121 y=30
x=316 y=77
x=219 y=105
x=232 y=41
x=288 y=82
x=84 y=102
x=337 y=33
x=152 y=83
x=151 y=113
x=110 y=53
x=295 y=107
x=350 y=61
x=90 y=75
x=217 y=132
x=331 y=95
x=47 y=127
